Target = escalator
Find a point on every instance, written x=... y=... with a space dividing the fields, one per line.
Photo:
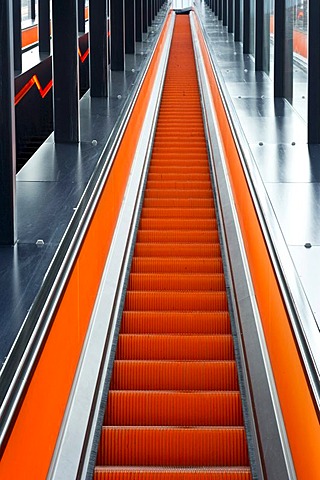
x=174 y=407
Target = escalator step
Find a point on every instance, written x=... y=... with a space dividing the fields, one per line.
x=176 y=322
x=175 y=347
x=214 y=282
x=116 y=473
x=176 y=265
x=174 y=375
x=173 y=408
x=177 y=236
x=164 y=250
x=173 y=446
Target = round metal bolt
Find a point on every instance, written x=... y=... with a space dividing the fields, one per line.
x=261 y=144
x=40 y=242
x=293 y=143
x=94 y=142
x=119 y=97
x=133 y=70
x=308 y=245
x=246 y=70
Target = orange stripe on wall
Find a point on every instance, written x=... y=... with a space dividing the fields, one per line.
x=29 y=36
x=298 y=410
x=32 y=441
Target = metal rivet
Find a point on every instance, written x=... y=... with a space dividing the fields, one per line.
x=94 y=142
x=119 y=96
x=246 y=70
x=308 y=245
x=40 y=242
x=133 y=70
x=261 y=144
x=293 y=143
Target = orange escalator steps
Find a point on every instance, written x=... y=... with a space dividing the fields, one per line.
x=185 y=203
x=174 y=347
x=116 y=473
x=176 y=212
x=179 y=184
x=174 y=375
x=177 y=236
x=176 y=322
x=170 y=193
x=184 y=282
x=173 y=408
x=163 y=250
x=178 y=224
x=173 y=446
x=176 y=265
x=182 y=301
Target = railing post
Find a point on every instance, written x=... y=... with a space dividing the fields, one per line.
x=44 y=26
x=314 y=73
x=98 y=48
x=283 y=49
x=17 y=43
x=65 y=71
x=130 y=26
x=7 y=129
x=117 y=34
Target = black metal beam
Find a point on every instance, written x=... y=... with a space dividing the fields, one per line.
x=262 y=43
x=130 y=26
x=17 y=41
x=230 y=15
x=283 y=49
x=237 y=21
x=225 y=13
x=149 y=13
x=139 y=20
x=44 y=26
x=145 y=16
x=98 y=48
x=117 y=34
x=7 y=128
x=220 y=9
x=81 y=16
x=65 y=71
x=33 y=9
x=247 y=32
x=314 y=73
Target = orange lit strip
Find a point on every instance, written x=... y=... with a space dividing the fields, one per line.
x=35 y=81
x=84 y=55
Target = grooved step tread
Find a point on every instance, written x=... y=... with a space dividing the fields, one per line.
x=178 y=236
x=174 y=375
x=173 y=408
x=175 y=347
x=176 y=212
x=183 y=301
x=184 y=282
x=143 y=473
x=176 y=265
x=173 y=446
x=178 y=224
x=179 y=203
x=176 y=322
x=177 y=250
